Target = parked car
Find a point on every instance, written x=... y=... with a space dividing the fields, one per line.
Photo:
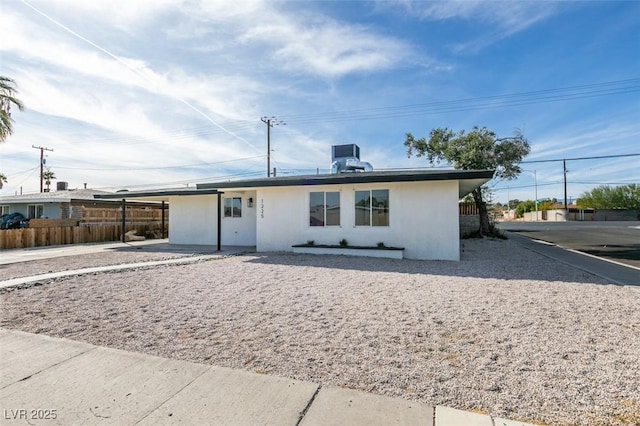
x=11 y=221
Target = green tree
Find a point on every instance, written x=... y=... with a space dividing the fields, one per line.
x=608 y=197
x=513 y=203
x=525 y=207
x=3 y=180
x=7 y=99
x=48 y=176
x=479 y=149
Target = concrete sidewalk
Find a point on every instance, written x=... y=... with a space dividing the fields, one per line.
x=71 y=272
x=160 y=245
x=47 y=381
x=192 y=254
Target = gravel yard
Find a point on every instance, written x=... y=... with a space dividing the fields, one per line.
x=504 y=331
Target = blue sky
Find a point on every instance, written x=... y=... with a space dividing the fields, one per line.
x=138 y=94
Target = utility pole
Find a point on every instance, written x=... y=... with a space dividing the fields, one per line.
x=42 y=150
x=270 y=122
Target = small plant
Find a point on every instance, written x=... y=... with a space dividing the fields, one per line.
x=380 y=244
x=310 y=242
x=343 y=243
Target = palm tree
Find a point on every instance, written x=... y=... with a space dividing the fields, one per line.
x=3 y=180
x=48 y=175
x=7 y=98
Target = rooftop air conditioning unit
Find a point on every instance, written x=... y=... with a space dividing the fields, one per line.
x=346 y=158
x=62 y=186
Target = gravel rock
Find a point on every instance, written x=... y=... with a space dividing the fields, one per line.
x=504 y=331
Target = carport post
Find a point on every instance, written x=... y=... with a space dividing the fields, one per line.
x=124 y=219
x=162 y=228
x=219 y=221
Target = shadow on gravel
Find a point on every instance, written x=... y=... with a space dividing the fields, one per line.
x=534 y=267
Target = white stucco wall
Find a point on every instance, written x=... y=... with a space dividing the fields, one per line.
x=193 y=220
x=423 y=219
x=240 y=231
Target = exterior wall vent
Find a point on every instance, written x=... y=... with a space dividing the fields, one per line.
x=346 y=158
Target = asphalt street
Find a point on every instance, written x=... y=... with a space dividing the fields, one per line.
x=617 y=241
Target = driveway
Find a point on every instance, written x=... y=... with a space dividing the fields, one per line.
x=617 y=241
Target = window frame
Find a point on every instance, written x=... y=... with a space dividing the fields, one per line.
x=325 y=207
x=370 y=208
x=232 y=207
x=36 y=208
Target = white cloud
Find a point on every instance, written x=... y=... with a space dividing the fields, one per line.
x=125 y=15
x=504 y=18
x=327 y=48
x=307 y=43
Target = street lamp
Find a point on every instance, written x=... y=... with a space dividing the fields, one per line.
x=535 y=184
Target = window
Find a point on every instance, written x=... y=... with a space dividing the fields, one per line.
x=233 y=207
x=4 y=210
x=36 y=211
x=372 y=207
x=324 y=209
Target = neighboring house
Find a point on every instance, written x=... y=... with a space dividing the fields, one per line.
x=64 y=204
x=413 y=209
x=575 y=213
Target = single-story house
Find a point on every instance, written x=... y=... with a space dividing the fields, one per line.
x=73 y=206
x=64 y=204
x=416 y=210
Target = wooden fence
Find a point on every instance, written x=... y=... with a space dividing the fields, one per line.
x=61 y=235
x=134 y=215
x=467 y=209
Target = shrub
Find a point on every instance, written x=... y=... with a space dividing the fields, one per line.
x=310 y=242
x=343 y=243
x=380 y=244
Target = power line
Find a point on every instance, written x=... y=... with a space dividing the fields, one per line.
x=439 y=107
x=171 y=135
x=185 y=182
x=580 y=158
x=516 y=99
x=162 y=167
x=525 y=186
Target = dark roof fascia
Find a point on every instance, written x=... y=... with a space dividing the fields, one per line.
x=48 y=197
x=350 y=178
x=144 y=194
x=113 y=203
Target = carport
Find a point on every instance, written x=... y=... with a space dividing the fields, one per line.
x=163 y=196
